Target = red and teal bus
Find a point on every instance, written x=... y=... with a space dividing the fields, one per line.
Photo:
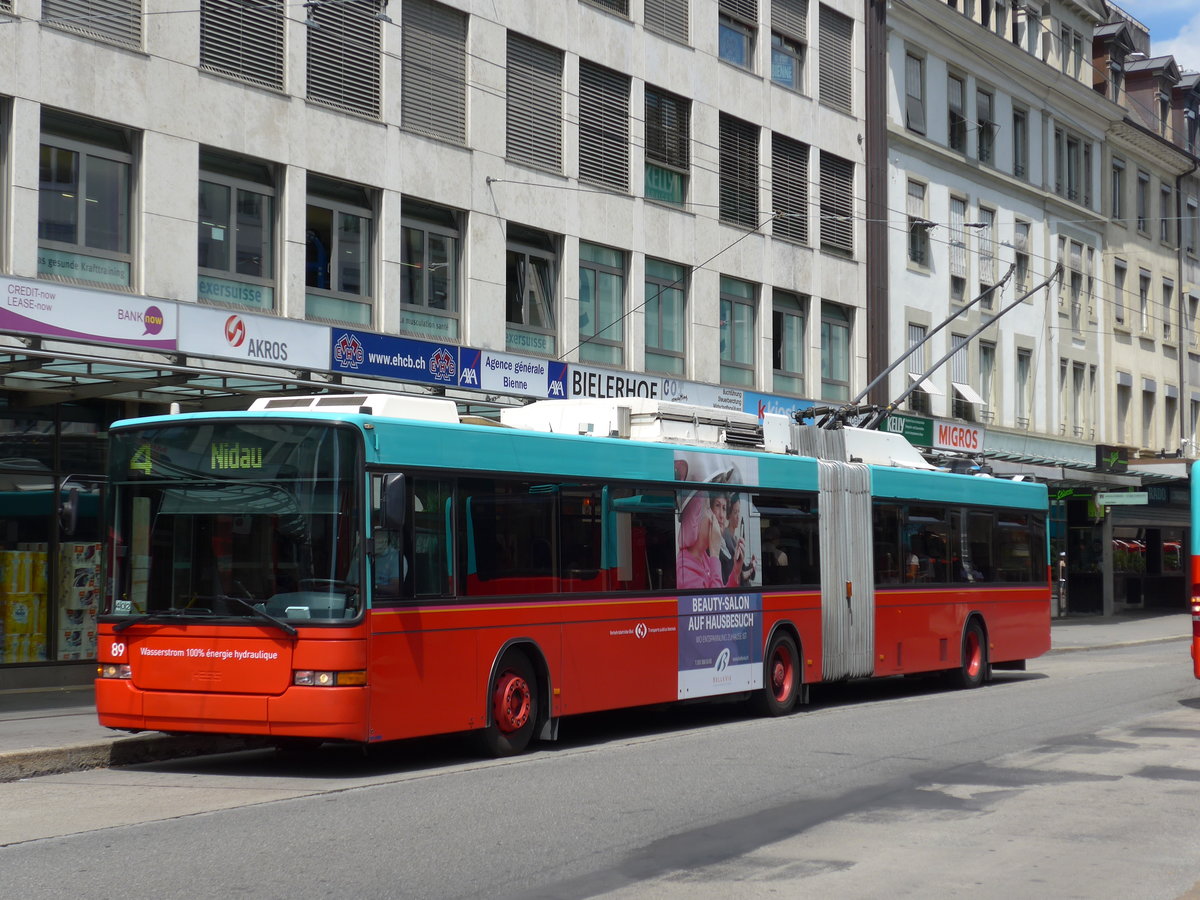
x=371 y=568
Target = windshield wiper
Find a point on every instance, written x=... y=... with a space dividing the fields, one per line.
x=262 y=613
x=158 y=615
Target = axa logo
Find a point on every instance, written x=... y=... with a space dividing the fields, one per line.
x=235 y=331
x=442 y=364
x=348 y=351
x=722 y=662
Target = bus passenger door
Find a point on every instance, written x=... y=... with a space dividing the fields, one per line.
x=847 y=571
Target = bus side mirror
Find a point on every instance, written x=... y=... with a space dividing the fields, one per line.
x=393 y=502
x=68 y=511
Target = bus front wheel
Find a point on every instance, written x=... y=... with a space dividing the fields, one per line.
x=512 y=706
x=781 y=677
x=974 y=669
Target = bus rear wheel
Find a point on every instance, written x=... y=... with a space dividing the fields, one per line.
x=781 y=677
x=512 y=706
x=974 y=669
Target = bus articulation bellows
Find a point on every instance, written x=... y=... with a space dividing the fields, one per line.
x=370 y=568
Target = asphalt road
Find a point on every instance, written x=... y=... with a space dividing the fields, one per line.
x=1078 y=778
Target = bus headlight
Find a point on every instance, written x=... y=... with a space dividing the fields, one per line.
x=318 y=678
x=114 y=670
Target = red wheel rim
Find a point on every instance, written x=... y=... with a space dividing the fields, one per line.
x=782 y=674
x=974 y=654
x=511 y=702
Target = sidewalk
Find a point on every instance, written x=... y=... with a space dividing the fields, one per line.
x=49 y=730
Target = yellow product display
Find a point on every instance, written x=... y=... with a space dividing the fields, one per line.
x=19 y=615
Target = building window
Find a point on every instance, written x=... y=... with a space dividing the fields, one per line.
x=1191 y=222
x=918 y=225
x=665 y=311
x=956 y=137
x=338 y=265
x=789 y=188
x=914 y=93
x=836 y=59
x=965 y=397
x=1117 y=191
x=835 y=352
x=985 y=120
x=958 y=248
x=789 y=42
x=1119 y=274
x=1143 y=203
x=1144 y=301
x=243 y=40
x=1021 y=255
x=601 y=304
x=737 y=27
x=668 y=156
x=603 y=126
x=918 y=364
x=344 y=52
x=987 y=379
x=1021 y=143
x=433 y=84
x=738 y=331
x=1069 y=166
x=429 y=276
x=534 y=103
x=1124 y=402
x=84 y=193
x=739 y=171
x=837 y=204
x=987 y=252
x=787 y=343
x=531 y=278
x=236 y=228
x=1024 y=366
x=1166 y=215
x=1149 y=437
x=1168 y=309
x=117 y=21
x=668 y=18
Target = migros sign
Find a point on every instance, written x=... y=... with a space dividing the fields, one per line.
x=953 y=436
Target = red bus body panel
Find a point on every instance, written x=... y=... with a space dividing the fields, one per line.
x=428 y=666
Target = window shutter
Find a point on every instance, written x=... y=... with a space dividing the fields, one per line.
x=668 y=18
x=987 y=253
x=119 y=21
x=914 y=89
x=534 y=131
x=738 y=171
x=836 y=33
x=789 y=187
x=242 y=40
x=958 y=246
x=745 y=11
x=344 y=55
x=617 y=6
x=1021 y=237
x=837 y=203
x=790 y=17
x=603 y=126
x=668 y=128
x=434 y=86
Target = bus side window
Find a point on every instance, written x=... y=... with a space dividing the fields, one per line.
x=433 y=552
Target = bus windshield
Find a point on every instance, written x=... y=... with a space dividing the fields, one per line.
x=249 y=520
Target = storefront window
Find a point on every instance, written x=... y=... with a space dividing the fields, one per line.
x=50 y=532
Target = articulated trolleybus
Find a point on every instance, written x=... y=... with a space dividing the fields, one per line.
x=368 y=568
